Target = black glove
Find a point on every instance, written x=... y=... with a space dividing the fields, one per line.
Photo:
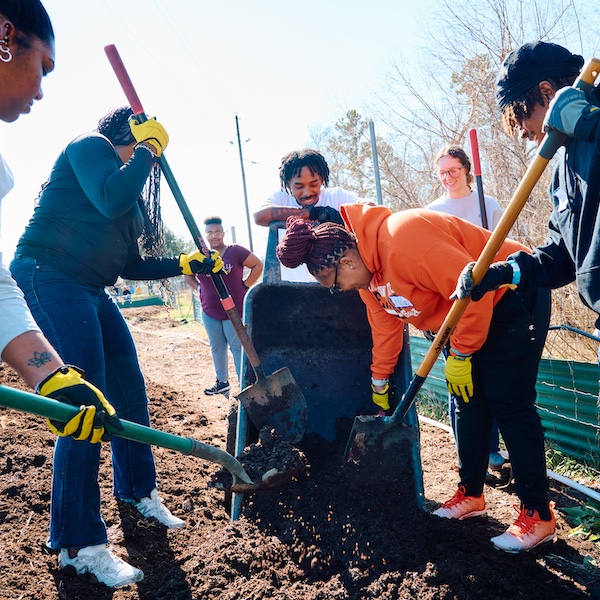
x=325 y=214
x=66 y=384
x=498 y=275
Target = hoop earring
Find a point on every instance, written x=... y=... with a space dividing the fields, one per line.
x=5 y=53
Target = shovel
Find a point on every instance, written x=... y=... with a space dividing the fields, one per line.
x=60 y=411
x=371 y=433
x=275 y=401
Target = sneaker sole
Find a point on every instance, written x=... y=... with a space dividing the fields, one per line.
x=549 y=538
x=475 y=513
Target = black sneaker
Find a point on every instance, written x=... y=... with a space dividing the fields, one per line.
x=220 y=387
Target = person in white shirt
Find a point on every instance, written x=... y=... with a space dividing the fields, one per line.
x=454 y=170
x=304 y=176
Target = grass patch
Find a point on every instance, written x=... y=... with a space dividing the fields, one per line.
x=430 y=405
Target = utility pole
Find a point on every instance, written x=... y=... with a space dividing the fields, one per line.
x=375 y=162
x=237 y=127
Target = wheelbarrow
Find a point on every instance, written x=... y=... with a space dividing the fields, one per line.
x=326 y=341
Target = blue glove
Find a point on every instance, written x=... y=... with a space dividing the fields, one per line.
x=566 y=109
x=498 y=275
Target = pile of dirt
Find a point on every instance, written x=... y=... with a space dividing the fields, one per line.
x=324 y=535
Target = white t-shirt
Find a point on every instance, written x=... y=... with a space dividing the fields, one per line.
x=333 y=197
x=7 y=183
x=467 y=208
x=15 y=317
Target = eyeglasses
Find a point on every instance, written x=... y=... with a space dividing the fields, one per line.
x=334 y=289
x=454 y=172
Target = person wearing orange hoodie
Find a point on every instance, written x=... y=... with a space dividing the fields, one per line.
x=405 y=266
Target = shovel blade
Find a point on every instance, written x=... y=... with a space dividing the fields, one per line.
x=379 y=449
x=277 y=402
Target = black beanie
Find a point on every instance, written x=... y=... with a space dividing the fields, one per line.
x=531 y=63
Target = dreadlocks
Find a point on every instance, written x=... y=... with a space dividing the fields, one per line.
x=115 y=127
x=319 y=247
x=292 y=163
x=516 y=111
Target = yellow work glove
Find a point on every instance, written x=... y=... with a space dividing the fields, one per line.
x=151 y=132
x=66 y=384
x=382 y=398
x=459 y=376
x=196 y=263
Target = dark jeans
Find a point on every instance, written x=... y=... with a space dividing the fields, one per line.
x=87 y=329
x=504 y=377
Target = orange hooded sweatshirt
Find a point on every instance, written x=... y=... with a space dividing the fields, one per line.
x=416 y=257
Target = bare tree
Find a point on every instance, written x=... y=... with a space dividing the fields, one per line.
x=434 y=99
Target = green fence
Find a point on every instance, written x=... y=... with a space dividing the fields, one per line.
x=567 y=399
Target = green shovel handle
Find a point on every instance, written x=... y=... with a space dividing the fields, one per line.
x=59 y=411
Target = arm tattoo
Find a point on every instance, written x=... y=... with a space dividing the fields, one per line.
x=39 y=359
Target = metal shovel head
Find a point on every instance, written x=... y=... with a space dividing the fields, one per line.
x=379 y=448
x=277 y=402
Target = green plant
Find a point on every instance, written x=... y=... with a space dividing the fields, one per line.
x=586 y=519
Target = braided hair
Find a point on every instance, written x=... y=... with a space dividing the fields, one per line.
x=30 y=20
x=115 y=126
x=318 y=246
x=292 y=164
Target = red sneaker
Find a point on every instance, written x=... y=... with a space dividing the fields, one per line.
x=461 y=507
x=527 y=532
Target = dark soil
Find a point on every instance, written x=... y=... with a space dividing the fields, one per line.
x=323 y=535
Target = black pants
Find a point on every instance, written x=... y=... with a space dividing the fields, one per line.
x=504 y=377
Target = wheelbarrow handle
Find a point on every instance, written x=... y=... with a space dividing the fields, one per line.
x=60 y=411
x=226 y=299
x=550 y=144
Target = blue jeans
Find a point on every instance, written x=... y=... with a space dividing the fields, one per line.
x=220 y=335
x=87 y=329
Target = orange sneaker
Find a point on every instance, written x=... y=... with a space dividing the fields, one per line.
x=527 y=532
x=461 y=507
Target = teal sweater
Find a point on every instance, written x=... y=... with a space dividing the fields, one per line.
x=89 y=216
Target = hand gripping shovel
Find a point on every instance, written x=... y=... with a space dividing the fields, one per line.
x=370 y=433
x=275 y=401
x=59 y=411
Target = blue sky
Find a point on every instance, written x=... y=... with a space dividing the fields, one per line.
x=282 y=67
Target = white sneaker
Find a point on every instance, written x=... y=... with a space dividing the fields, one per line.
x=527 y=532
x=152 y=506
x=100 y=561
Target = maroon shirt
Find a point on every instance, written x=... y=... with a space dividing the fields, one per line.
x=233 y=272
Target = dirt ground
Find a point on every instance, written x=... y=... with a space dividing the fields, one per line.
x=320 y=537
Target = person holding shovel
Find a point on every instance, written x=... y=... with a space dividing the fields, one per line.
x=26 y=55
x=454 y=171
x=219 y=328
x=404 y=266
x=535 y=94
x=100 y=201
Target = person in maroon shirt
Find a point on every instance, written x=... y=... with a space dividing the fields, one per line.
x=219 y=328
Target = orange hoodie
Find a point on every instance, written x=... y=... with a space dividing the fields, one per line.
x=416 y=257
